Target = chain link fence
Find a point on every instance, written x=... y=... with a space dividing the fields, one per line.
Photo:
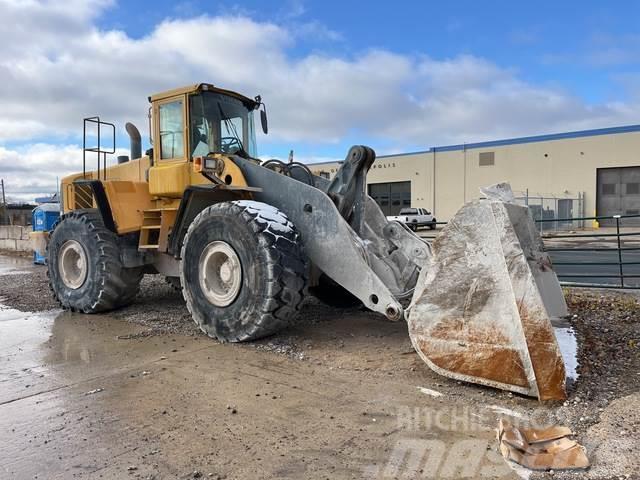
x=554 y=212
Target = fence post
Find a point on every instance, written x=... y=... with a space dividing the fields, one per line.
x=541 y=213
x=617 y=217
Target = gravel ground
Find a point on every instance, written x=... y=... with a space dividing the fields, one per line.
x=603 y=404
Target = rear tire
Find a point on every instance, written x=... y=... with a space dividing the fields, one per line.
x=84 y=267
x=243 y=271
x=432 y=225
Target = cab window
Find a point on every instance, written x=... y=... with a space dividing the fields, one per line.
x=171 y=130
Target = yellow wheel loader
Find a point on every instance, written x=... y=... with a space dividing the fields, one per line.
x=246 y=240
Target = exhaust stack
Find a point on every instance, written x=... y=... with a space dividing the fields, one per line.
x=135 y=139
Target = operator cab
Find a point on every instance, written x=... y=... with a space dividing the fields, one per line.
x=219 y=121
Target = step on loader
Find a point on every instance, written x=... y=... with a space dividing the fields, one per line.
x=245 y=240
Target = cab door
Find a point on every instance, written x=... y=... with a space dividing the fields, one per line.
x=170 y=173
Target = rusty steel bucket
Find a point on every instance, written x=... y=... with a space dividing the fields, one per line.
x=482 y=307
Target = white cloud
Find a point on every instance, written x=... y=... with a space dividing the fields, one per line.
x=30 y=172
x=57 y=66
x=36 y=169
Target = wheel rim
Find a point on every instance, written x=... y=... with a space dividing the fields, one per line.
x=72 y=264
x=220 y=273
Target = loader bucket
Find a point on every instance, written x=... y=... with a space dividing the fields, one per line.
x=483 y=304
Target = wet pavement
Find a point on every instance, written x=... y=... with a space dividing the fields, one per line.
x=140 y=393
x=10 y=265
x=83 y=397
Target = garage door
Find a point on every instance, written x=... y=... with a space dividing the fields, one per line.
x=391 y=196
x=618 y=194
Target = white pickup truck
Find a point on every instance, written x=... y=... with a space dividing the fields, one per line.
x=415 y=218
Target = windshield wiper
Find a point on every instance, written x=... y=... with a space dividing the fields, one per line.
x=232 y=129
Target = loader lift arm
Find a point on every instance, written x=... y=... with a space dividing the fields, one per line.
x=364 y=268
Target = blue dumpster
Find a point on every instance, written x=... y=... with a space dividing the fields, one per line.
x=43 y=218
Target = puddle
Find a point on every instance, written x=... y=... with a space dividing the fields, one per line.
x=8 y=314
x=15 y=265
x=23 y=331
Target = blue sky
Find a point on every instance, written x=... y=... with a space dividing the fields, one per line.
x=397 y=76
x=579 y=45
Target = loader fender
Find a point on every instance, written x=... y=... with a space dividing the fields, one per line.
x=101 y=201
x=195 y=199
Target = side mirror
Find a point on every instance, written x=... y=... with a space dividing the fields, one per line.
x=263 y=120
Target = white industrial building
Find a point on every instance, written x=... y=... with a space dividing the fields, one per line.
x=561 y=175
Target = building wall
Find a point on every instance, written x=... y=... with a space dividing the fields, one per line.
x=556 y=166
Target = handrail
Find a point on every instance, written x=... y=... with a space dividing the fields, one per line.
x=98 y=148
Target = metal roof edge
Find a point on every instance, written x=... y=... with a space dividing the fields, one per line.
x=521 y=140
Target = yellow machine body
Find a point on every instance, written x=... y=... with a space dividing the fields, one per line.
x=144 y=189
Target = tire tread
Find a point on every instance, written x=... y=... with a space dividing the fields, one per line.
x=118 y=285
x=287 y=268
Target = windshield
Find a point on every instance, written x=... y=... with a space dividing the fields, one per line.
x=221 y=124
x=408 y=211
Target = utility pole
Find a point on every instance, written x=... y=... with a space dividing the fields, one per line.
x=4 y=202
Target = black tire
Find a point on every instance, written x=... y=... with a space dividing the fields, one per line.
x=273 y=270
x=413 y=227
x=107 y=285
x=432 y=225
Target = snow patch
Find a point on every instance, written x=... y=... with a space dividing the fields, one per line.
x=568 y=344
x=266 y=211
x=277 y=222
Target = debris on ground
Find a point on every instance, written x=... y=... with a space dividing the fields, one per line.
x=428 y=391
x=96 y=390
x=541 y=449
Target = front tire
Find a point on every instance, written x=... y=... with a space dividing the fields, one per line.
x=84 y=267
x=243 y=271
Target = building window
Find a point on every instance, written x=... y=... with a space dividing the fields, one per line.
x=633 y=212
x=608 y=188
x=633 y=188
x=487 y=159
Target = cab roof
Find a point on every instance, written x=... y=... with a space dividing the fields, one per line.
x=203 y=87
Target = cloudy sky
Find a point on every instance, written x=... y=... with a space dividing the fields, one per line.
x=399 y=76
